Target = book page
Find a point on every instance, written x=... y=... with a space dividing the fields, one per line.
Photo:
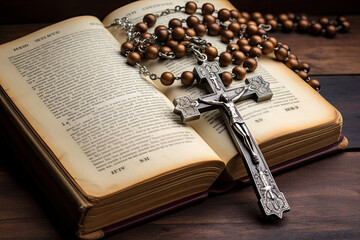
x=294 y=107
x=108 y=127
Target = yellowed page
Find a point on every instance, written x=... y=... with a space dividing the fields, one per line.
x=109 y=128
x=294 y=107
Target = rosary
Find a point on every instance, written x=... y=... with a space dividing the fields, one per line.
x=177 y=41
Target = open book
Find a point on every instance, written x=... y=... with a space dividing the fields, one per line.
x=107 y=138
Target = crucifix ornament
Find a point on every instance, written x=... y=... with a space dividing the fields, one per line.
x=271 y=200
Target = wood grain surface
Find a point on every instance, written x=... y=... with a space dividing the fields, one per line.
x=324 y=196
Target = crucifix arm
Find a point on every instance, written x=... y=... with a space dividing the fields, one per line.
x=210 y=102
x=238 y=96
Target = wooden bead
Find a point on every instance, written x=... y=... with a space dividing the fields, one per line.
x=180 y=50
x=175 y=22
x=291 y=16
x=324 y=21
x=315 y=84
x=167 y=78
x=226 y=78
x=287 y=26
x=141 y=27
x=341 y=19
x=260 y=21
x=185 y=42
x=126 y=47
x=192 y=20
x=282 y=17
x=302 y=74
x=273 y=23
x=269 y=16
x=256 y=15
x=245 y=15
x=315 y=29
x=287 y=47
x=239 y=72
x=208 y=19
x=160 y=27
x=145 y=35
x=187 y=78
x=251 y=29
x=242 y=20
x=171 y=43
x=231 y=47
x=292 y=63
x=255 y=52
x=330 y=31
x=214 y=29
x=207 y=8
x=238 y=57
x=261 y=32
x=149 y=19
x=303 y=26
x=304 y=66
x=250 y=64
x=273 y=40
x=224 y=14
x=227 y=35
x=200 y=29
x=235 y=14
x=190 y=32
x=255 y=40
x=291 y=55
x=225 y=59
x=133 y=58
x=234 y=27
x=151 y=52
x=162 y=33
x=178 y=33
x=190 y=7
x=164 y=50
x=242 y=41
x=268 y=47
x=245 y=49
x=281 y=54
x=344 y=27
x=211 y=53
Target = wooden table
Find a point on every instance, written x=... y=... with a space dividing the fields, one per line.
x=324 y=196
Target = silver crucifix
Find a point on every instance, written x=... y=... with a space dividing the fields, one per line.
x=271 y=200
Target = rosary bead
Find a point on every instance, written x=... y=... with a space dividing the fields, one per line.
x=291 y=16
x=256 y=15
x=242 y=20
x=211 y=53
x=255 y=40
x=251 y=22
x=151 y=52
x=281 y=54
x=200 y=29
x=227 y=35
x=260 y=21
x=344 y=27
x=162 y=33
x=178 y=33
x=225 y=59
x=304 y=66
x=242 y=41
x=180 y=50
x=273 y=24
x=149 y=19
x=302 y=74
x=250 y=64
x=245 y=15
x=255 y=52
x=315 y=84
x=239 y=72
x=238 y=57
x=190 y=7
x=268 y=16
x=341 y=19
x=273 y=40
x=292 y=63
x=261 y=32
x=330 y=31
x=226 y=78
x=133 y=58
x=213 y=29
x=164 y=50
x=207 y=8
x=171 y=43
x=287 y=47
x=268 y=47
x=315 y=29
x=190 y=32
x=324 y=21
x=145 y=35
x=251 y=29
x=192 y=20
x=187 y=78
x=167 y=78
x=287 y=26
x=141 y=27
x=185 y=42
x=291 y=55
x=231 y=47
x=245 y=49
x=234 y=27
x=283 y=17
x=224 y=14
x=160 y=27
x=175 y=22
x=208 y=18
x=303 y=26
x=235 y=14
x=127 y=47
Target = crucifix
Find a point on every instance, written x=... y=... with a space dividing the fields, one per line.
x=271 y=200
